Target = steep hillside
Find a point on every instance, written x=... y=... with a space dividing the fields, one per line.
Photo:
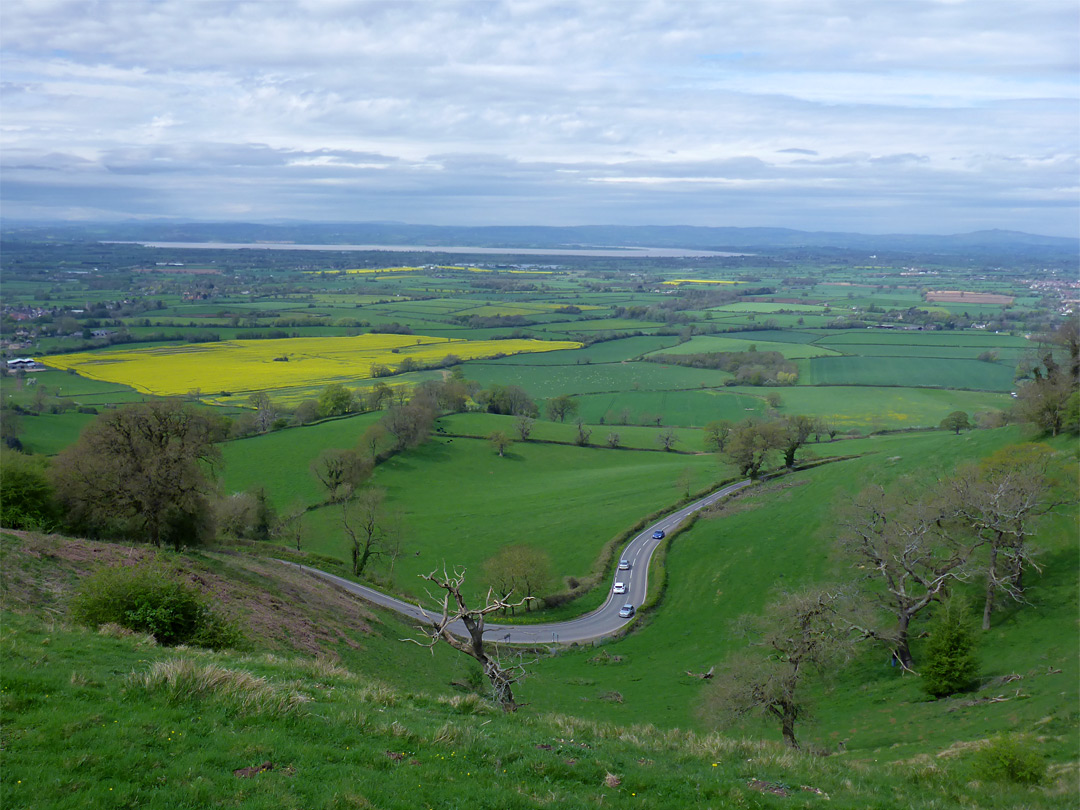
x=326 y=708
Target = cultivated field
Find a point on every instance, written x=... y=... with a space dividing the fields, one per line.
x=237 y=368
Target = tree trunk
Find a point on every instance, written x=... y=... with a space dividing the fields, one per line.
x=787 y=725
x=501 y=685
x=991 y=587
x=1018 y=576
x=903 y=649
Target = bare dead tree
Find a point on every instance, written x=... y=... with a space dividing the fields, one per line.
x=455 y=614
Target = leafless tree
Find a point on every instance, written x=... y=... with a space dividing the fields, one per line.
x=524 y=426
x=454 y=614
x=520 y=569
x=409 y=424
x=1001 y=500
x=290 y=525
x=340 y=472
x=667 y=439
x=265 y=412
x=372 y=531
x=799 y=633
x=716 y=435
x=583 y=433
x=908 y=543
x=372 y=440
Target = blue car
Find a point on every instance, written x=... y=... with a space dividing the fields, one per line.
x=658 y=535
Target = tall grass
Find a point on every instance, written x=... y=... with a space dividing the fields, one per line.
x=182 y=680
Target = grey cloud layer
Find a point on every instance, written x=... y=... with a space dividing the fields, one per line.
x=930 y=113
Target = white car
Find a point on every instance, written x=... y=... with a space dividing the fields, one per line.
x=620 y=587
x=624 y=565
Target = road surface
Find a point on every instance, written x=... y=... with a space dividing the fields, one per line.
x=600 y=623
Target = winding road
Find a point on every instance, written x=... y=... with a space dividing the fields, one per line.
x=603 y=622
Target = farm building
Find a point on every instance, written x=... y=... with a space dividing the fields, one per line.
x=24 y=364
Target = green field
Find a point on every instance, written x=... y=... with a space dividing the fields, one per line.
x=782 y=539
x=884 y=408
x=916 y=372
x=566 y=500
x=711 y=343
x=543 y=381
x=279 y=462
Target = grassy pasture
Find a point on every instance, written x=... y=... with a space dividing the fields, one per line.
x=601 y=325
x=744 y=320
x=481 y=425
x=910 y=371
x=982 y=340
x=769 y=308
x=877 y=408
x=545 y=381
x=776 y=336
x=715 y=343
x=781 y=538
x=279 y=461
x=906 y=350
x=690 y=407
x=610 y=351
x=566 y=500
x=48 y=434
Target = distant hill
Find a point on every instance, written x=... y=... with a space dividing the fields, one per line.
x=584 y=236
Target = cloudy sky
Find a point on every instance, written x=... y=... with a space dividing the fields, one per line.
x=930 y=116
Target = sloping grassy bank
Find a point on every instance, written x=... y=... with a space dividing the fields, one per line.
x=108 y=720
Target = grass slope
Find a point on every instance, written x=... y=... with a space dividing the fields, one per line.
x=782 y=537
x=112 y=720
x=568 y=501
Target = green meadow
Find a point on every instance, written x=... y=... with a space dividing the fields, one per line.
x=916 y=372
x=781 y=537
x=568 y=501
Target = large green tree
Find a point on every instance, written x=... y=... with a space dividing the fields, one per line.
x=752 y=444
x=141 y=470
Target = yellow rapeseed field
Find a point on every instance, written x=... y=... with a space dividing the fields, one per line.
x=244 y=366
x=367 y=270
x=698 y=281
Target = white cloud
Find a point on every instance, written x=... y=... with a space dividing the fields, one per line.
x=680 y=109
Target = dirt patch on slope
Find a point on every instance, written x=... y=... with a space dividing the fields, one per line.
x=278 y=606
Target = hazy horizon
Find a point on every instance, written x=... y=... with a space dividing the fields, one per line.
x=932 y=117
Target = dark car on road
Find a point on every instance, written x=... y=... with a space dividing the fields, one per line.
x=658 y=534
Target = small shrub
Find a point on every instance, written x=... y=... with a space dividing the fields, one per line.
x=150 y=599
x=1009 y=758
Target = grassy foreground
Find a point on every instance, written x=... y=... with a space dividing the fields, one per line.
x=112 y=720
x=348 y=716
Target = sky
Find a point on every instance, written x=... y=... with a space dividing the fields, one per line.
x=872 y=116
